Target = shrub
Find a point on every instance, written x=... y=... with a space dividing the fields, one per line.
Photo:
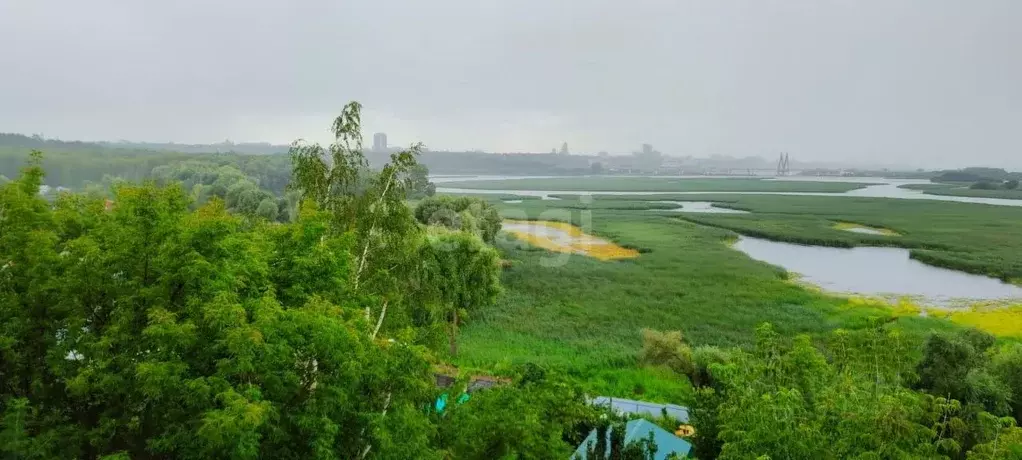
x=669 y=349
x=460 y=213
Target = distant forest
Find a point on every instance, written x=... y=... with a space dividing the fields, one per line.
x=978 y=175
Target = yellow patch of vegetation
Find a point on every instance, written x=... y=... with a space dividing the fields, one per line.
x=995 y=317
x=997 y=320
x=904 y=306
x=564 y=237
x=858 y=228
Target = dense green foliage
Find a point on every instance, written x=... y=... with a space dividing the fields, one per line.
x=537 y=418
x=466 y=214
x=791 y=400
x=149 y=330
x=462 y=274
x=1007 y=367
x=139 y=328
x=656 y=184
x=242 y=195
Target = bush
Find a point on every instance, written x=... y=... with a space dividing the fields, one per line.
x=669 y=349
x=460 y=213
x=267 y=209
x=702 y=358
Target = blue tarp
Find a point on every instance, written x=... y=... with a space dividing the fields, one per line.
x=635 y=430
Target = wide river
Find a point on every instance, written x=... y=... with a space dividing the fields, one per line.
x=882 y=188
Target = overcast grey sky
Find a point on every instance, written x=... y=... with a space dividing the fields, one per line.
x=930 y=82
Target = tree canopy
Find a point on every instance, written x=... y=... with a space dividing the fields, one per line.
x=467 y=214
x=147 y=325
x=787 y=399
x=149 y=330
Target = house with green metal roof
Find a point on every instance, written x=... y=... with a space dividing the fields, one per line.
x=637 y=430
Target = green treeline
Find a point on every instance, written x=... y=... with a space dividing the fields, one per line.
x=994 y=175
x=76 y=170
x=76 y=164
x=204 y=180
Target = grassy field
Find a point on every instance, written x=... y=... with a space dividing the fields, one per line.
x=964 y=190
x=656 y=184
x=931 y=187
x=583 y=316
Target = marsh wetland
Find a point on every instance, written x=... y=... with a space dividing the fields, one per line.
x=715 y=264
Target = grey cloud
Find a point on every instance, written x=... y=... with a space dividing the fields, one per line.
x=929 y=82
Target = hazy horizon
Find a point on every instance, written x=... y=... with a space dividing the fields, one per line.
x=927 y=83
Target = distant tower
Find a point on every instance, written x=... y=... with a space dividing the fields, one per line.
x=783 y=165
x=564 y=148
x=380 y=142
x=647 y=148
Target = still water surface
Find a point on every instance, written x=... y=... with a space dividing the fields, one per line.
x=699 y=207
x=874 y=271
